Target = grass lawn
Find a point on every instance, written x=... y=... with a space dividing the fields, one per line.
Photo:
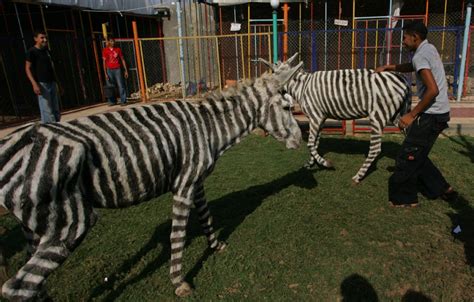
x=292 y=234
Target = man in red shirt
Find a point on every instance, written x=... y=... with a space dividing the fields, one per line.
x=112 y=56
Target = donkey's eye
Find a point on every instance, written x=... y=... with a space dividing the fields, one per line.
x=287 y=107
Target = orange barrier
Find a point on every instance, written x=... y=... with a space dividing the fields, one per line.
x=358 y=128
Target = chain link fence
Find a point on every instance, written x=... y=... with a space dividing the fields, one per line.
x=212 y=62
x=193 y=66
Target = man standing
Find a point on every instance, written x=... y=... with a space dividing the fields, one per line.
x=112 y=57
x=40 y=71
x=414 y=171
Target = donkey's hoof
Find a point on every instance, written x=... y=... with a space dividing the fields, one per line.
x=183 y=290
x=355 y=181
x=220 y=246
x=329 y=164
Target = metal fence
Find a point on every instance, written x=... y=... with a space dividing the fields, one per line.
x=200 y=64
x=192 y=66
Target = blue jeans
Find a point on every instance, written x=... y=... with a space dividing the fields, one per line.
x=116 y=79
x=48 y=102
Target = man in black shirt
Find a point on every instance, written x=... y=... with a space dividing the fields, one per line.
x=40 y=72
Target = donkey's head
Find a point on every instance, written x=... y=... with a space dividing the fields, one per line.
x=275 y=115
x=280 y=122
x=279 y=66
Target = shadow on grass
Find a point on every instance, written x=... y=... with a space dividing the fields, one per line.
x=354 y=146
x=463 y=142
x=464 y=217
x=240 y=204
x=356 y=288
x=414 y=296
x=12 y=241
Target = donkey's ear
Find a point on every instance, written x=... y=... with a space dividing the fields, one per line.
x=290 y=60
x=268 y=64
x=285 y=76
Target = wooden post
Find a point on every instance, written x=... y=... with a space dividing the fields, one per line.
x=139 y=62
x=96 y=57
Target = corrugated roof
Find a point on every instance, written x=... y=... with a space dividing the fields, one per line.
x=237 y=2
x=142 y=7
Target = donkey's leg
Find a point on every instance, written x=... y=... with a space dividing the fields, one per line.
x=28 y=281
x=181 y=209
x=313 y=144
x=205 y=219
x=32 y=242
x=51 y=251
x=374 y=150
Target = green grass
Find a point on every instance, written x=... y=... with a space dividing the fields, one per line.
x=292 y=234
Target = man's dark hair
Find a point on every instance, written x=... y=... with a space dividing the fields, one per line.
x=38 y=32
x=416 y=27
x=110 y=38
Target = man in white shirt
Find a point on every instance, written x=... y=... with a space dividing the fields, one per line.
x=414 y=171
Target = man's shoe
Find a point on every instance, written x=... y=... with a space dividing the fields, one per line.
x=450 y=195
x=123 y=104
x=403 y=205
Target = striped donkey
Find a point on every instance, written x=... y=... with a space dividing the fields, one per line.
x=52 y=176
x=344 y=95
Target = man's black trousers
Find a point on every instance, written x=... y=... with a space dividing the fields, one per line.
x=414 y=171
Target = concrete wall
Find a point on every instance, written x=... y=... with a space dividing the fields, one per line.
x=170 y=29
x=199 y=58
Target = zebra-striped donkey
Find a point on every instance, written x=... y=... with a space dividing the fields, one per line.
x=53 y=175
x=345 y=95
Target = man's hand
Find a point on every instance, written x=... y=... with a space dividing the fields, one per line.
x=125 y=74
x=107 y=77
x=381 y=68
x=36 y=89
x=406 y=120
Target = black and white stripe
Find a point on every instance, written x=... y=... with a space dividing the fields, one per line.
x=52 y=176
x=345 y=95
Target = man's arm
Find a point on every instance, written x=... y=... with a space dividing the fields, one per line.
x=407 y=67
x=125 y=72
x=105 y=69
x=29 y=74
x=430 y=94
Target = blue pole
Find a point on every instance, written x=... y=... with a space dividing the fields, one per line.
x=275 y=37
x=457 y=61
x=464 y=50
